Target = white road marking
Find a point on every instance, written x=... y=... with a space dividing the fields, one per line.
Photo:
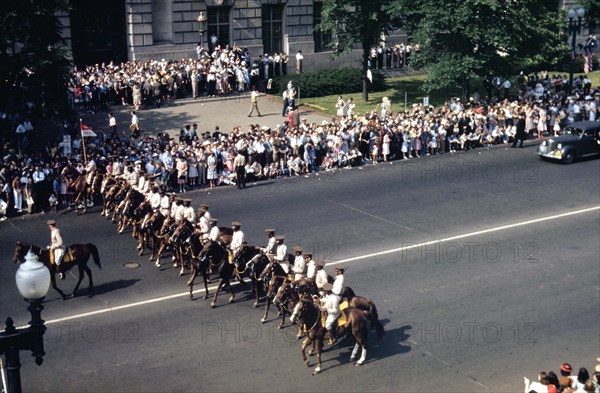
x=360 y=257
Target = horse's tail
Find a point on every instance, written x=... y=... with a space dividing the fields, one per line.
x=374 y=310
x=375 y=322
x=95 y=255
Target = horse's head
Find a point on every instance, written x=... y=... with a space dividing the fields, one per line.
x=301 y=309
x=20 y=252
x=283 y=293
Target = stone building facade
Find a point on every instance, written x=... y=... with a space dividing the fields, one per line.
x=169 y=29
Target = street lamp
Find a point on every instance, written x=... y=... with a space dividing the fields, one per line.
x=33 y=282
x=574 y=28
x=202 y=20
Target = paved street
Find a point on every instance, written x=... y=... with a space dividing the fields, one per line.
x=492 y=274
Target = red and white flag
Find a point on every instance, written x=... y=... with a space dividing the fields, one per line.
x=87 y=131
x=588 y=61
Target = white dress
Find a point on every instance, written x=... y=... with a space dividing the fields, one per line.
x=211 y=168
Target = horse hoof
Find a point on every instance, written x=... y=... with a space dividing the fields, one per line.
x=317 y=370
x=298 y=337
x=205 y=296
x=255 y=305
x=357 y=364
x=141 y=253
x=212 y=305
x=279 y=314
x=352 y=358
x=280 y=327
x=263 y=320
x=180 y=274
x=311 y=353
x=231 y=300
x=307 y=363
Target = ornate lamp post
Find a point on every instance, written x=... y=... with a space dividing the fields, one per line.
x=574 y=28
x=33 y=282
x=202 y=20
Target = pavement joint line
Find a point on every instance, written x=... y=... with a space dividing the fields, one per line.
x=484 y=231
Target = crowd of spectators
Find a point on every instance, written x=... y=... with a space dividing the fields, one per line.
x=566 y=381
x=32 y=182
x=216 y=71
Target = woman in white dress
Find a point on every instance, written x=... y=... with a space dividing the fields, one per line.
x=543 y=118
x=385 y=146
x=211 y=170
x=192 y=169
x=340 y=105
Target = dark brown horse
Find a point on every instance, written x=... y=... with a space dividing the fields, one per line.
x=81 y=255
x=309 y=315
x=79 y=185
x=252 y=261
x=274 y=275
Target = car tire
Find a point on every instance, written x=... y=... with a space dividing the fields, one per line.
x=569 y=157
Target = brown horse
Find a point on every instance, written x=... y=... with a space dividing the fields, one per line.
x=79 y=185
x=81 y=255
x=309 y=314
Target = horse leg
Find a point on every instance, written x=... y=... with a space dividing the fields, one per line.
x=354 y=352
x=299 y=333
x=232 y=298
x=282 y=324
x=205 y=279
x=161 y=248
x=214 y=302
x=190 y=283
x=363 y=355
x=319 y=350
x=79 y=281
x=56 y=288
x=267 y=305
x=257 y=292
x=90 y=279
x=303 y=350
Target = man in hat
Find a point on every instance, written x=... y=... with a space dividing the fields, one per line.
x=271 y=244
x=299 y=264
x=56 y=246
x=338 y=283
x=188 y=211
x=214 y=232
x=237 y=240
x=330 y=304
x=254 y=102
x=321 y=277
x=206 y=212
x=311 y=269
x=281 y=255
x=202 y=221
x=165 y=202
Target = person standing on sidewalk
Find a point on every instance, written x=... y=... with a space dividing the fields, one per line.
x=240 y=169
x=254 y=102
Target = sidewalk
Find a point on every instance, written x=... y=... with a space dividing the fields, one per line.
x=224 y=112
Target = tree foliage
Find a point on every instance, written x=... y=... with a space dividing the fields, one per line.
x=353 y=23
x=462 y=39
x=32 y=58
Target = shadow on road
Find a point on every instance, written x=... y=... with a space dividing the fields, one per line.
x=111 y=286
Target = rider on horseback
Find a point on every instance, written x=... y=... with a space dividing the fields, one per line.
x=311 y=269
x=338 y=283
x=330 y=304
x=271 y=244
x=56 y=246
x=321 y=275
x=214 y=233
x=299 y=264
x=203 y=221
x=237 y=240
x=281 y=255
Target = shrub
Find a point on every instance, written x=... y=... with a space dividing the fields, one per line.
x=328 y=82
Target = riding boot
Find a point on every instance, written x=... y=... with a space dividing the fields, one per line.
x=61 y=275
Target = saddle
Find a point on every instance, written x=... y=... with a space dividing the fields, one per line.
x=68 y=257
x=342 y=319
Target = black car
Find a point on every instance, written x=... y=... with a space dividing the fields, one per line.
x=578 y=140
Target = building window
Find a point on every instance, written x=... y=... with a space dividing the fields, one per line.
x=322 y=40
x=272 y=27
x=218 y=23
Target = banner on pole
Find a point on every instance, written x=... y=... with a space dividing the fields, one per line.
x=87 y=131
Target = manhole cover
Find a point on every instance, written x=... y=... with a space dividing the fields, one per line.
x=131 y=265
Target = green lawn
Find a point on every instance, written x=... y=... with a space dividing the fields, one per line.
x=401 y=90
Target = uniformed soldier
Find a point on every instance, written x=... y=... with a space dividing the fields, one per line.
x=155 y=199
x=90 y=168
x=237 y=240
x=271 y=244
x=134 y=176
x=281 y=255
x=338 y=283
x=214 y=232
x=299 y=263
x=188 y=212
x=56 y=246
x=311 y=269
x=202 y=221
x=321 y=275
x=206 y=212
x=331 y=304
x=165 y=203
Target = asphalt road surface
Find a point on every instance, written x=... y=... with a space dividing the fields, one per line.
x=485 y=267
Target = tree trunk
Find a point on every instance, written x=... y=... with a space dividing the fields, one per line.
x=365 y=67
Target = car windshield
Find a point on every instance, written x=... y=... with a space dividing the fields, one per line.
x=573 y=131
